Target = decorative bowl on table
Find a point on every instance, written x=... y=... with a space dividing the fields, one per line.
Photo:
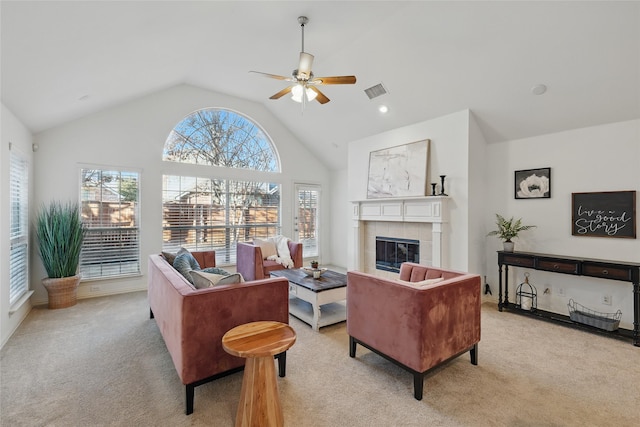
x=314 y=272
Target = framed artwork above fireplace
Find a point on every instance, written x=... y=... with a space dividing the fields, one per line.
x=399 y=171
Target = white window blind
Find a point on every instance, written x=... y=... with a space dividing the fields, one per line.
x=19 y=233
x=110 y=212
x=215 y=214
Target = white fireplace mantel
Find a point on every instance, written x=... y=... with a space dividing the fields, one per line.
x=430 y=209
x=415 y=209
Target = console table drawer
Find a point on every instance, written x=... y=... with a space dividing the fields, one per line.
x=604 y=271
x=559 y=265
x=518 y=260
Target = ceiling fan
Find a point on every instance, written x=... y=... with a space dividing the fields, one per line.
x=304 y=82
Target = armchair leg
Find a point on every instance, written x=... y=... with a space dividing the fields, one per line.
x=474 y=354
x=282 y=364
x=418 y=382
x=189 y=389
x=352 y=347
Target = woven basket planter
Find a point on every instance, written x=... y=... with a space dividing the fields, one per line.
x=63 y=292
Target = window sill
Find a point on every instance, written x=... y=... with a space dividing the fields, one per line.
x=18 y=304
x=120 y=277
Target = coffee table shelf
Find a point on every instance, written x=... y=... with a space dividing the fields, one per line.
x=318 y=302
x=332 y=313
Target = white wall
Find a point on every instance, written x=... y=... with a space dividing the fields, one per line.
x=16 y=134
x=133 y=135
x=600 y=158
x=478 y=165
x=340 y=219
x=450 y=136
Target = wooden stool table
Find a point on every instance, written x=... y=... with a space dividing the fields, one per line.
x=259 y=342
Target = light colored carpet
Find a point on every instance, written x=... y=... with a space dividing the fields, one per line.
x=103 y=363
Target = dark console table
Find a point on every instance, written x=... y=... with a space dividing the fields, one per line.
x=603 y=269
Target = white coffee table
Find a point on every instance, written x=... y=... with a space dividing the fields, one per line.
x=317 y=302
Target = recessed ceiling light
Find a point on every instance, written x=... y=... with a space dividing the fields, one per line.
x=538 y=89
x=383 y=109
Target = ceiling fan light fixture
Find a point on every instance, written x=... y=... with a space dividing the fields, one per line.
x=304 y=85
x=296 y=93
x=311 y=94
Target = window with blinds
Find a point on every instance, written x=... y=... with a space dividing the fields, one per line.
x=19 y=228
x=308 y=200
x=215 y=214
x=110 y=213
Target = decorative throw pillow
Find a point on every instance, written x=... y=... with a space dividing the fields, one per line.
x=185 y=263
x=169 y=257
x=232 y=278
x=216 y=270
x=267 y=247
x=422 y=283
x=202 y=279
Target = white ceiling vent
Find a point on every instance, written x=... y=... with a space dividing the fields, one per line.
x=375 y=91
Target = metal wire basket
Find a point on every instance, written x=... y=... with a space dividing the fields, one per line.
x=581 y=314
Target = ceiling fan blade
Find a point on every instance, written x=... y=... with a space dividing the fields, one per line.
x=273 y=76
x=335 y=80
x=282 y=93
x=321 y=98
x=304 y=67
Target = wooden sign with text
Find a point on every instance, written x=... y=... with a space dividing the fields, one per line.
x=604 y=214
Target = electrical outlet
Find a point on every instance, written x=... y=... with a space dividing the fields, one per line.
x=94 y=288
x=606 y=299
x=561 y=292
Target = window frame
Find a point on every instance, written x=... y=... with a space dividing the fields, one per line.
x=122 y=263
x=299 y=187
x=260 y=131
x=18 y=239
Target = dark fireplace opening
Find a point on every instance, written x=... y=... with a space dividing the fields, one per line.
x=391 y=252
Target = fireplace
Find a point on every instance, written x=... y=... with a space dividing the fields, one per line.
x=391 y=252
x=417 y=220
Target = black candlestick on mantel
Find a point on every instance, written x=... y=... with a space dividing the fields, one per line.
x=442 y=193
x=433 y=188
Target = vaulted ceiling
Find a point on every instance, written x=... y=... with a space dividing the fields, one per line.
x=65 y=60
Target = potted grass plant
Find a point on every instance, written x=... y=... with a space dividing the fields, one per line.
x=508 y=229
x=60 y=233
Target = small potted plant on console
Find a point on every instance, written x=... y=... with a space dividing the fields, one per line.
x=508 y=229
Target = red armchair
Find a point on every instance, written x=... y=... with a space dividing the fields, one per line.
x=252 y=265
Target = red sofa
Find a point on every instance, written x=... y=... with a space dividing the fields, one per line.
x=418 y=328
x=193 y=321
x=252 y=265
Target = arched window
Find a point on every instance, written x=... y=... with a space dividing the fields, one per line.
x=207 y=210
x=221 y=137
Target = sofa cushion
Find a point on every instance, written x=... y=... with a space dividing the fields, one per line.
x=203 y=280
x=421 y=283
x=434 y=274
x=185 y=263
x=268 y=248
